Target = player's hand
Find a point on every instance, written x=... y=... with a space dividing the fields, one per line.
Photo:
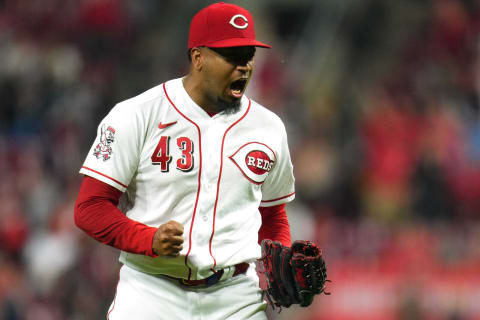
x=168 y=240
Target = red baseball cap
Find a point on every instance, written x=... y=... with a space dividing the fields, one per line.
x=223 y=25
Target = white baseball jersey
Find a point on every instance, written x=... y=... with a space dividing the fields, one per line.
x=175 y=162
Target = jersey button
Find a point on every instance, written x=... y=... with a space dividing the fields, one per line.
x=205 y=218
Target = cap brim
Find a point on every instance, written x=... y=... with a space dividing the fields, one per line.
x=237 y=42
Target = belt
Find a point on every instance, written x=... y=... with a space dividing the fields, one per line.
x=214 y=278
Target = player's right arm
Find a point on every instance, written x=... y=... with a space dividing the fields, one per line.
x=108 y=170
x=97 y=214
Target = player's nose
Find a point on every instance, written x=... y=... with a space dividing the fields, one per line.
x=244 y=68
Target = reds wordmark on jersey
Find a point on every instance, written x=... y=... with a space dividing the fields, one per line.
x=175 y=162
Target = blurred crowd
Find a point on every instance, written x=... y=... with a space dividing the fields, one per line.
x=381 y=103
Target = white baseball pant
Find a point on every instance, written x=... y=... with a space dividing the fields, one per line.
x=148 y=297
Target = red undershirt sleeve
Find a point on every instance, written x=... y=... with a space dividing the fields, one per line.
x=275 y=225
x=96 y=213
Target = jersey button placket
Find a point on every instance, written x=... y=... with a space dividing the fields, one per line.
x=212 y=165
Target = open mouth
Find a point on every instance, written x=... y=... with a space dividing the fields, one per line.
x=237 y=87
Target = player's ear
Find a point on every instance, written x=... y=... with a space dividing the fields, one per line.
x=196 y=58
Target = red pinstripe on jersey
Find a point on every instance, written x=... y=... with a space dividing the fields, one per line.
x=199 y=177
x=104 y=175
x=219 y=177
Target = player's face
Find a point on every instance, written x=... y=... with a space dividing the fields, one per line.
x=226 y=75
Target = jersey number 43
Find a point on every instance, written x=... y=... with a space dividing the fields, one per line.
x=161 y=156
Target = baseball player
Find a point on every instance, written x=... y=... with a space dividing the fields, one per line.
x=187 y=178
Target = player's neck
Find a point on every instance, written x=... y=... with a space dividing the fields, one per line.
x=195 y=91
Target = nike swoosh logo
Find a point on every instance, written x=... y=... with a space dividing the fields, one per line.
x=164 y=125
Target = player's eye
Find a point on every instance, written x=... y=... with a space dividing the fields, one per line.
x=237 y=55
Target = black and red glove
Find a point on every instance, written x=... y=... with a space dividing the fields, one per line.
x=291 y=275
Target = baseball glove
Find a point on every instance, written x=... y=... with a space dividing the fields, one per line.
x=291 y=275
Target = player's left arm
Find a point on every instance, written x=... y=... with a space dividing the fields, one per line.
x=277 y=189
x=288 y=273
x=275 y=225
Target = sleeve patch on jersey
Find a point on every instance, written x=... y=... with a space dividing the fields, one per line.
x=104 y=149
x=255 y=160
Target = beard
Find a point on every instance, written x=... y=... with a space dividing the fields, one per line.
x=229 y=107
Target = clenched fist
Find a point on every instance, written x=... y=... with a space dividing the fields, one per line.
x=168 y=240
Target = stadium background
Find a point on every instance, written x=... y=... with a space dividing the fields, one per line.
x=381 y=103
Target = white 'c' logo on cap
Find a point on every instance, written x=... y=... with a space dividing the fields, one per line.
x=233 y=23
